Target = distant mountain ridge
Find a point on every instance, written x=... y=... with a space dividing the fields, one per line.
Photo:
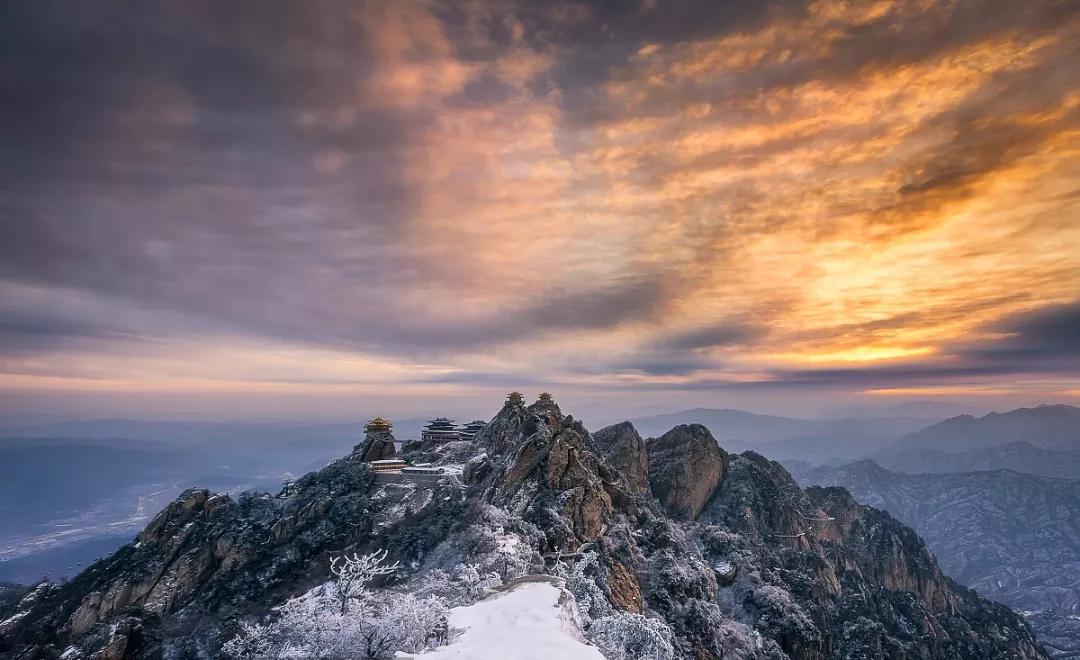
x=1048 y=433
x=921 y=408
x=1018 y=456
x=787 y=437
x=1047 y=426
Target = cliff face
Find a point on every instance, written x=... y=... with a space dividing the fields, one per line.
x=623 y=449
x=1014 y=537
x=377 y=445
x=685 y=467
x=750 y=567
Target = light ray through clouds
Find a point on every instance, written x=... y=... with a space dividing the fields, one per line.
x=442 y=199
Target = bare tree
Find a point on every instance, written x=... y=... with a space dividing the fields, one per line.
x=353 y=573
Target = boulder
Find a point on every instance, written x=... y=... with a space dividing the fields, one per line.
x=377 y=445
x=685 y=468
x=623 y=449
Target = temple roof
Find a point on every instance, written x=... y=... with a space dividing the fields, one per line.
x=378 y=424
x=440 y=423
x=515 y=397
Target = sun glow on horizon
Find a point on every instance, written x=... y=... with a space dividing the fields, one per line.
x=830 y=198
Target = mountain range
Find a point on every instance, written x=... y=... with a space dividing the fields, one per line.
x=1051 y=434
x=1019 y=456
x=718 y=555
x=1046 y=426
x=787 y=437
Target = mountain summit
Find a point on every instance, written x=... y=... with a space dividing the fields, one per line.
x=723 y=554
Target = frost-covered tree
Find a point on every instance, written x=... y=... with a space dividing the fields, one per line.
x=411 y=623
x=344 y=619
x=625 y=636
x=354 y=573
x=464 y=586
x=253 y=641
x=619 y=635
x=580 y=578
x=513 y=559
x=498 y=542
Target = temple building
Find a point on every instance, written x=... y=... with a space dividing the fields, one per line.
x=515 y=398
x=378 y=424
x=438 y=431
x=388 y=465
x=545 y=398
x=469 y=431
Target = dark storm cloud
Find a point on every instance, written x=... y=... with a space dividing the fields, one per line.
x=1044 y=341
x=549 y=312
x=685 y=353
x=723 y=334
x=664 y=364
x=1047 y=338
x=153 y=153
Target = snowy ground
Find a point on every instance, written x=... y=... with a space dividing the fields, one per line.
x=532 y=619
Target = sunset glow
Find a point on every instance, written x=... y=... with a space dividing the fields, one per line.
x=414 y=197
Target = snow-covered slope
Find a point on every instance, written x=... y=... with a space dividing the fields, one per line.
x=531 y=619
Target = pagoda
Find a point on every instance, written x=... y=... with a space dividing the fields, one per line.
x=378 y=441
x=515 y=399
x=438 y=431
x=378 y=425
x=545 y=398
x=469 y=431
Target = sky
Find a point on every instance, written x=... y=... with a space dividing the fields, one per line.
x=307 y=209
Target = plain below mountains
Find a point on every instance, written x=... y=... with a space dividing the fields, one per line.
x=1013 y=537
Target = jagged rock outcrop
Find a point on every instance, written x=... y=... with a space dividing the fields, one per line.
x=685 y=467
x=377 y=445
x=825 y=577
x=751 y=567
x=623 y=449
x=1013 y=537
x=547 y=473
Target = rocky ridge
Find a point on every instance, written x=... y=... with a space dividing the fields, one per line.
x=728 y=552
x=1013 y=537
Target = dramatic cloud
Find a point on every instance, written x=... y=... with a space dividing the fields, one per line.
x=704 y=196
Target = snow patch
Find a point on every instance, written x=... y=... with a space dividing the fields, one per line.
x=13 y=619
x=532 y=619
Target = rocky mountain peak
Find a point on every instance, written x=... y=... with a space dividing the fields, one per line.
x=546 y=407
x=378 y=445
x=623 y=449
x=724 y=552
x=547 y=472
x=685 y=467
